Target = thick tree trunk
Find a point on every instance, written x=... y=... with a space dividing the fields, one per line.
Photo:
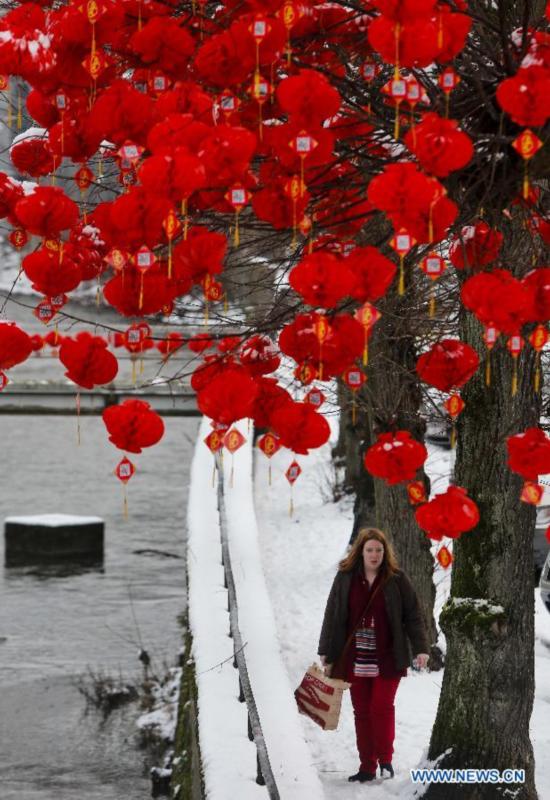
x=487 y=692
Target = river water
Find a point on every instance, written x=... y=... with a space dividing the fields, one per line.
x=55 y=623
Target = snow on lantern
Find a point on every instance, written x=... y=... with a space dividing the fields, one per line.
x=395 y=457
x=354 y=378
x=538 y=339
x=450 y=513
x=529 y=456
x=433 y=265
x=402 y=242
x=292 y=474
x=269 y=444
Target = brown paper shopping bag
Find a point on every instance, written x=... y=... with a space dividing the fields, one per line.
x=320 y=697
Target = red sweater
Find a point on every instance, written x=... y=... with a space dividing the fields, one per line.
x=358 y=599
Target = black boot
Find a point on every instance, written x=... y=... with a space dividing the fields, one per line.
x=362 y=777
x=388 y=768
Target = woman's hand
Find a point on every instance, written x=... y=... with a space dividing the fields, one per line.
x=327 y=667
x=422 y=660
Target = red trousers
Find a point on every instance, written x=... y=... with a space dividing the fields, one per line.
x=372 y=700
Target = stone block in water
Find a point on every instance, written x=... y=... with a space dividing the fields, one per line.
x=51 y=538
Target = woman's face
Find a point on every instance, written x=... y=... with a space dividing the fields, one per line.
x=373 y=554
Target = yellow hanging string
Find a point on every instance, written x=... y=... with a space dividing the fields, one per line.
x=488 y=369
x=432 y=301
x=125 y=502
x=396 y=75
x=19 y=111
x=515 y=378
x=206 y=315
x=396 y=124
x=401 y=285
x=141 y=277
x=134 y=376
x=525 y=180
x=169 y=259
x=291 y=504
x=366 y=349
x=236 y=234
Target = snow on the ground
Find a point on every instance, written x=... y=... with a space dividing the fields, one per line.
x=299 y=557
x=162 y=718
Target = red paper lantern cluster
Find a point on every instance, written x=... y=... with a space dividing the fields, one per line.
x=448 y=364
x=450 y=513
x=133 y=425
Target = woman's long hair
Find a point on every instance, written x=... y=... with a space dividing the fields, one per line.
x=354 y=558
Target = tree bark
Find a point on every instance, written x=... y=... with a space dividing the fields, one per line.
x=487 y=693
x=394 y=401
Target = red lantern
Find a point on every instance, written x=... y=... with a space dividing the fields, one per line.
x=3 y=381
x=448 y=364
x=476 y=246
x=529 y=453
x=228 y=396
x=15 y=345
x=133 y=425
x=299 y=427
x=448 y=514
x=259 y=355
x=395 y=457
x=88 y=361
x=499 y=299
x=322 y=279
x=439 y=145
x=524 y=95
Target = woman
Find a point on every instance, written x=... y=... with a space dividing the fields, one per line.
x=371 y=610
